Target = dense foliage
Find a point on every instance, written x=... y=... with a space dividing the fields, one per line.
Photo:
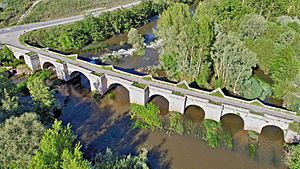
x=293 y=157
x=226 y=40
x=94 y=29
x=145 y=116
x=7 y=57
x=42 y=96
x=19 y=138
x=215 y=135
x=110 y=160
x=136 y=39
x=57 y=150
x=176 y=123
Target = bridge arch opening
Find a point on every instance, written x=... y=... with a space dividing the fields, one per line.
x=194 y=113
x=119 y=93
x=161 y=102
x=271 y=144
x=49 y=66
x=272 y=132
x=22 y=59
x=232 y=123
x=80 y=80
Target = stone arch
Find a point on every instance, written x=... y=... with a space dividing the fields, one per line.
x=195 y=113
x=233 y=122
x=48 y=65
x=274 y=126
x=162 y=102
x=84 y=79
x=21 y=57
x=122 y=93
x=272 y=131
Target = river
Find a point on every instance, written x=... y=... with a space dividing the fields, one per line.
x=102 y=123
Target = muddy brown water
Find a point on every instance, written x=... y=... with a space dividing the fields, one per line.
x=105 y=123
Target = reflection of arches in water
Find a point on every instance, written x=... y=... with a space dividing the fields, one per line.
x=121 y=93
x=232 y=122
x=272 y=132
x=194 y=113
x=270 y=149
x=161 y=102
x=78 y=77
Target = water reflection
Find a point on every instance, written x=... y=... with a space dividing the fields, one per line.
x=105 y=123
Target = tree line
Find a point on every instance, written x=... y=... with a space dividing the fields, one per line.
x=30 y=137
x=225 y=41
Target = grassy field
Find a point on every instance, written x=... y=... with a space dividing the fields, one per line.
x=12 y=10
x=53 y=9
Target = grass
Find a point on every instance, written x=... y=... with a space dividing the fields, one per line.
x=295 y=126
x=177 y=93
x=31 y=53
x=12 y=11
x=217 y=94
x=53 y=9
x=257 y=113
x=73 y=57
x=147 y=78
x=97 y=74
x=183 y=86
x=59 y=61
x=256 y=103
x=136 y=84
x=216 y=103
x=106 y=68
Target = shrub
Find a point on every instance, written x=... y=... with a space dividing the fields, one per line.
x=176 y=123
x=19 y=139
x=109 y=160
x=145 y=116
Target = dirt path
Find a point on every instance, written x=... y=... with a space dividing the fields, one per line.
x=28 y=11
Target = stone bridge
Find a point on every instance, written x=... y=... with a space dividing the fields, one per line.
x=142 y=88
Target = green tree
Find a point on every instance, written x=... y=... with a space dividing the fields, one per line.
x=9 y=106
x=233 y=61
x=176 y=123
x=293 y=157
x=186 y=44
x=253 y=26
x=109 y=160
x=73 y=160
x=56 y=150
x=145 y=116
x=6 y=56
x=19 y=139
x=136 y=39
x=41 y=94
x=73 y=39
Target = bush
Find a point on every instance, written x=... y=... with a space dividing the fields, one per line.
x=176 y=123
x=253 y=26
x=145 y=116
x=19 y=139
x=57 y=150
x=293 y=156
x=22 y=88
x=214 y=134
x=109 y=160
